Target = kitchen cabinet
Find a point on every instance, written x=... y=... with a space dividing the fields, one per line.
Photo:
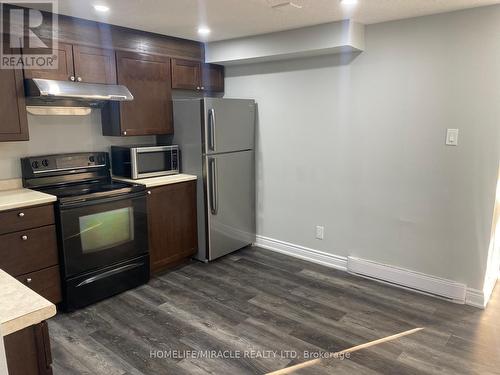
x=186 y=74
x=80 y=63
x=28 y=351
x=150 y=113
x=193 y=75
x=65 y=69
x=172 y=221
x=31 y=232
x=14 y=120
x=212 y=77
x=94 y=65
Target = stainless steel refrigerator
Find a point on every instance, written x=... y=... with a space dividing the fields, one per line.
x=216 y=138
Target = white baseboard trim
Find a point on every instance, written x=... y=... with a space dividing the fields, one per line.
x=305 y=253
x=398 y=277
x=476 y=298
x=417 y=281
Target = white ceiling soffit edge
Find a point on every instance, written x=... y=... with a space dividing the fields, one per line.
x=328 y=38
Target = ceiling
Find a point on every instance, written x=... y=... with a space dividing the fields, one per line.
x=236 y=18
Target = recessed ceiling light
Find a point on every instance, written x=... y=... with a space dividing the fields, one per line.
x=101 y=8
x=348 y=2
x=203 y=30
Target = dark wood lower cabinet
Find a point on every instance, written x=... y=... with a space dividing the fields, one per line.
x=28 y=351
x=28 y=249
x=173 y=232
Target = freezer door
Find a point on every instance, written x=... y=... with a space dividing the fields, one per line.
x=230 y=202
x=229 y=125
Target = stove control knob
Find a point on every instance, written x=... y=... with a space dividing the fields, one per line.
x=35 y=164
x=45 y=162
x=91 y=158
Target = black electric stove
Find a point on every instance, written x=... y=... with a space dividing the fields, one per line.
x=101 y=225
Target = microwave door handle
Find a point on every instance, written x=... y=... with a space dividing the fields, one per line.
x=212 y=123
x=133 y=165
x=214 y=194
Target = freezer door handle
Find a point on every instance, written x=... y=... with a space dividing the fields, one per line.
x=211 y=129
x=214 y=194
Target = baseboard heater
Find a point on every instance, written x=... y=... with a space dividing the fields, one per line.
x=407 y=279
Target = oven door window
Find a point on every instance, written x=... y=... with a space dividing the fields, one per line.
x=151 y=162
x=104 y=230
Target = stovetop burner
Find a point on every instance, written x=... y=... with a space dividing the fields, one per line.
x=88 y=191
x=74 y=177
x=65 y=191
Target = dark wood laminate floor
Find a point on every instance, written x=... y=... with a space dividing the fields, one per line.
x=263 y=301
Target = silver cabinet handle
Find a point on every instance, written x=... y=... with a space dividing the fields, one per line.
x=149 y=192
x=24 y=237
x=212 y=123
x=214 y=194
x=202 y=87
x=79 y=79
x=125 y=133
x=20 y=214
x=72 y=78
x=28 y=280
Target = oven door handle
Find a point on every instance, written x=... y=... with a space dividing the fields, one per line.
x=109 y=273
x=91 y=202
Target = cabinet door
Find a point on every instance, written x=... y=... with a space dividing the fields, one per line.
x=186 y=74
x=64 y=69
x=173 y=232
x=13 y=117
x=148 y=79
x=94 y=65
x=28 y=351
x=213 y=78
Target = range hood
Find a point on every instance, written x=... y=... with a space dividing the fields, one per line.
x=47 y=92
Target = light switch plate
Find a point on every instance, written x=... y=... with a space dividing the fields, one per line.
x=452 y=137
x=320 y=232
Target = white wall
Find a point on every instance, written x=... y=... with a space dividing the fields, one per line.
x=59 y=134
x=357 y=144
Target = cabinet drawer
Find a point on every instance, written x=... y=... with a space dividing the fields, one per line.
x=29 y=250
x=46 y=282
x=26 y=218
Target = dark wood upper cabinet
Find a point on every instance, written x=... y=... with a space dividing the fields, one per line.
x=212 y=77
x=172 y=224
x=186 y=74
x=193 y=75
x=13 y=117
x=94 y=65
x=80 y=63
x=65 y=69
x=150 y=113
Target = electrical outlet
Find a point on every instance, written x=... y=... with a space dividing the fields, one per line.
x=320 y=232
x=452 y=137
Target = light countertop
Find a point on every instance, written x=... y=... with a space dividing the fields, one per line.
x=159 y=181
x=16 y=198
x=20 y=307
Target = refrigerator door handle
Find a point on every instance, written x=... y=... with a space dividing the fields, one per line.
x=214 y=194
x=211 y=122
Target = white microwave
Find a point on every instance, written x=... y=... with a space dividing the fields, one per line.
x=137 y=162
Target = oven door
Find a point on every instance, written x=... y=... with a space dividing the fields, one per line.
x=103 y=232
x=154 y=161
